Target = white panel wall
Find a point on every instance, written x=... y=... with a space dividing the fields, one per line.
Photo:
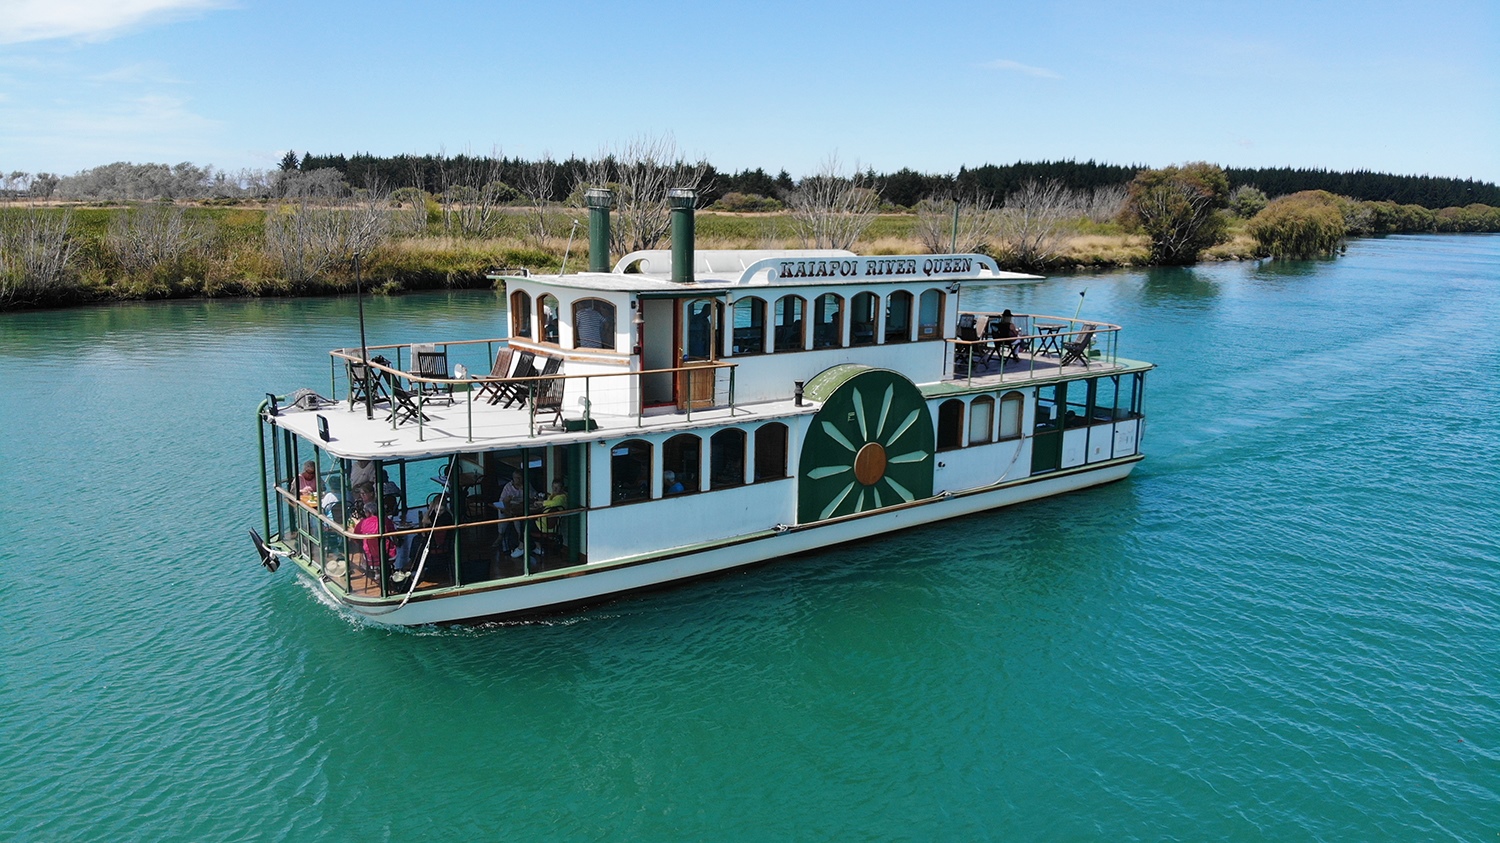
x=1075 y=447
x=769 y=377
x=1125 y=437
x=629 y=529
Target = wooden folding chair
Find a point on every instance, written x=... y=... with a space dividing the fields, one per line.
x=1077 y=351
x=498 y=373
x=514 y=390
x=405 y=406
x=428 y=362
x=547 y=396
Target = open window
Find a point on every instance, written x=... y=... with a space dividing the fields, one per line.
x=546 y=317
x=770 y=451
x=862 y=312
x=828 y=321
x=630 y=471
x=898 y=317
x=950 y=427
x=681 y=457
x=520 y=314
x=726 y=459
x=593 y=324
x=788 y=318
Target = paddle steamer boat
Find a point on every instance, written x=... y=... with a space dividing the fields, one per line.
x=681 y=414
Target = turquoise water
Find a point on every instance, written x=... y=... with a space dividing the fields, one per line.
x=1284 y=625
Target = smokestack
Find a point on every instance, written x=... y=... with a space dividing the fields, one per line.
x=599 y=200
x=681 y=201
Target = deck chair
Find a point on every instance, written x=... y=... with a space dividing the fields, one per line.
x=547 y=394
x=357 y=380
x=428 y=362
x=963 y=351
x=1003 y=346
x=501 y=370
x=514 y=390
x=404 y=407
x=1077 y=350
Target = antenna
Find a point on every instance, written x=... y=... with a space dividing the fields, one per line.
x=564 y=270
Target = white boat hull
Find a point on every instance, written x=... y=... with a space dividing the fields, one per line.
x=591 y=584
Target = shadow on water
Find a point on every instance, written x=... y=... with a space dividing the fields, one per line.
x=1273 y=269
x=1178 y=286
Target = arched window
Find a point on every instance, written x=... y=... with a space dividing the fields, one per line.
x=1011 y=404
x=950 y=427
x=630 y=471
x=862 y=310
x=680 y=459
x=749 y=326
x=593 y=324
x=930 y=316
x=789 y=336
x=520 y=314
x=770 y=451
x=981 y=420
x=726 y=459
x=546 y=317
x=828 y=321
x=898 y=317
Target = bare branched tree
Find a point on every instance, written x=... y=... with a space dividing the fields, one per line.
x=160 y=234
x=830 y=210
x=1106 y=203
x=1032 y=223
x=36 y=253
x=307 y=240
x=971 y=230
x=641 y=173
x=474 y=193
x=536 y=185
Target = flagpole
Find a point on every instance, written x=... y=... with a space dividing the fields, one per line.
x=364 y=351
x=1079 y=309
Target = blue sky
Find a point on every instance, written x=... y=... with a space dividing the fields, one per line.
x=1404 y=87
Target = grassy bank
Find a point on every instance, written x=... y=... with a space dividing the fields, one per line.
x=121 y=253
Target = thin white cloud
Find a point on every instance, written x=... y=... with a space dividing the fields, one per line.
x=1017 y=67
x=92 y=20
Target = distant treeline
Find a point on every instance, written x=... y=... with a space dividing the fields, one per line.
x=907 y=187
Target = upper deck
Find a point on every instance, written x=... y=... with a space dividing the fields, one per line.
x=414 y=411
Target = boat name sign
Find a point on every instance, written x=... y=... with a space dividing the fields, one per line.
x=874 y=267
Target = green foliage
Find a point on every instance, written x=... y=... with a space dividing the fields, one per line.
x=1304 y=225
x=1179 y=209
x=1246 y=201
x=746 y=203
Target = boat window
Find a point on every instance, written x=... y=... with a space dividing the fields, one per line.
x=950 y=427
x=593 y=324
x=828 y=321
x=770 y=451
x=630 y=471
x=789 y=336
x=898 y=317
x=546 y=315
x=1104 y=398
x=1011 y=405
x=700 y=329
x=1076 y=409
x=862 y=310
x=680 y=459
x=930 y=317
x=749 y=326
x=520 y=314
x=1129 y=396
x=726 y=459
x=981 y=420
x=1046 y=408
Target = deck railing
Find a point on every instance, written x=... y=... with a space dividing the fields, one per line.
x=1041 y=336
x=395 y=373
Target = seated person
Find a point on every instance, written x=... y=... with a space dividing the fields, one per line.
x=670 y=485
x=307 y=481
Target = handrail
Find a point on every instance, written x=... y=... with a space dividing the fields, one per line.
x=350 y=534
x=1098 y=330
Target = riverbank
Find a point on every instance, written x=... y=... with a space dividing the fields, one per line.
x=86 y=254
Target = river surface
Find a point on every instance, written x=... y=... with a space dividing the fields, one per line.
x=1285 y=625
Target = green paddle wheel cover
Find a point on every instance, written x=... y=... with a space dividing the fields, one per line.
x=868 y=447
